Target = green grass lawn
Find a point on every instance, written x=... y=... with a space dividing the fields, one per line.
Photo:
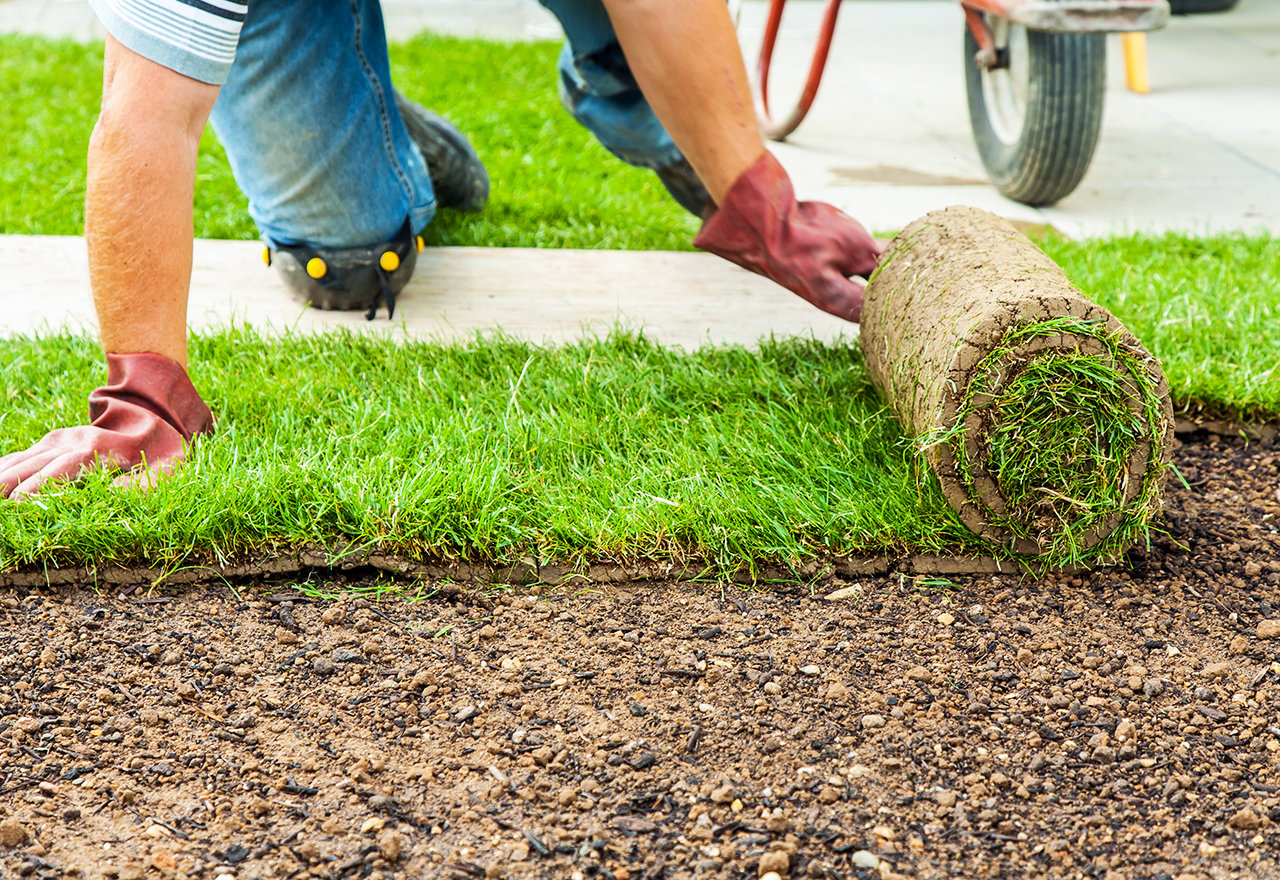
x=498 y=449
x=1209 y=308
x=553 y=185
x=492 y=450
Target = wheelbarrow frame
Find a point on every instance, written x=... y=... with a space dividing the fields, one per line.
x=1060 y=16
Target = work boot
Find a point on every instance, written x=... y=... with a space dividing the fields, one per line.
x=685 y=186
x=457 y=174
x=345 y=279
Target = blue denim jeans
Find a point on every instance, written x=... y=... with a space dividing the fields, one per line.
x=597 y=88
x=311 y=130
x=315 y=141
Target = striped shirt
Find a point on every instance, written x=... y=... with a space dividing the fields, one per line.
x=196 y=38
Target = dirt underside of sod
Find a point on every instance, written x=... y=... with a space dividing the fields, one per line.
x=1122 y=724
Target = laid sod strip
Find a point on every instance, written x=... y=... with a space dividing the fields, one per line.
x=490 y=451
x=1046 y=424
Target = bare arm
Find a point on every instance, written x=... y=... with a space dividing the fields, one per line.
x=686 y=59
x=142 y=161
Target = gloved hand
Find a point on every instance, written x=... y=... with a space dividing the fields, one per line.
x=141 y=417
x=810 y=248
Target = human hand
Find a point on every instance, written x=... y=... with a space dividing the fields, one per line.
x=139 y=423
x=811 y=248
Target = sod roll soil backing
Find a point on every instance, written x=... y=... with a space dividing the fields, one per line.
x=1046 y=423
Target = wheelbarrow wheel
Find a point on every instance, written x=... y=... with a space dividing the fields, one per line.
x=1036 y=117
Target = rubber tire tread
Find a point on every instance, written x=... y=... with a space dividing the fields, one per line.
x=1196 y=7
x=1063 y=117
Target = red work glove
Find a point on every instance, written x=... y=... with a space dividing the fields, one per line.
x=810 y=248
x=141 y=417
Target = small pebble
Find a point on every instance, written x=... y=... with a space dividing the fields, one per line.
x=1269 y=629
x=1217 y=670
x=809 y=670
x=333 y=615
x=12 y=833
x=864 y=859
x=946 y=618
x=722 y=795
x=774 y=862
x=1245 y=820
x=872 y=722
x=920 y=673
x=390 y=844
x=383 y=803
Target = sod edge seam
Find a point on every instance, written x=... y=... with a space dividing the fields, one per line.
x=523 y=572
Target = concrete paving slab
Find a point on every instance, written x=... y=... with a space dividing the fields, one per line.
x=544 y=296
x=69 y=19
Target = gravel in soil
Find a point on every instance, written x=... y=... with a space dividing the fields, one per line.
x=1120 y=724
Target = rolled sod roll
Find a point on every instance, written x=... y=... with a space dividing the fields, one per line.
x=1047 y=424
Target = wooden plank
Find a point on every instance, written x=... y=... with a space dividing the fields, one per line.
x=546 y=296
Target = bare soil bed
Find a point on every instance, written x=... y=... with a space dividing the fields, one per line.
x=1121 y=724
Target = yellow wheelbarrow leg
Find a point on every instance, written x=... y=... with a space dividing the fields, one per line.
x=1135 y=62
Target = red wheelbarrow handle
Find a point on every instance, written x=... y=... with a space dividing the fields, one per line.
x=778 y=130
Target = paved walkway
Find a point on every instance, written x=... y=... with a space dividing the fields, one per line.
x=888 y=139
x=684 y=299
